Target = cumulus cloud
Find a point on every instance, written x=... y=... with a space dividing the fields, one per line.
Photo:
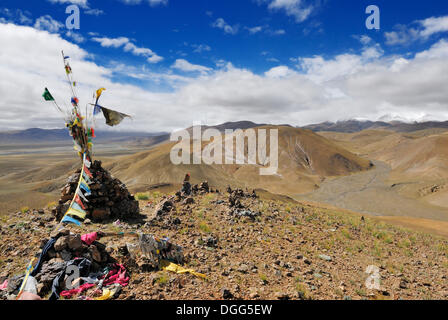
x=128 y=46
x=420 y=30
x=94 y=12
x=81 y=3
x=184 y=65
x=201 y=48
x=349 y=85
x=298 y=9
x=48 y=23
x=254 y=30
x=152 y=3
x=16 y=16
x=220 y=23
x=75 y=36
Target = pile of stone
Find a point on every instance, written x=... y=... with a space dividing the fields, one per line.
x=109 y=199
x=236 y=206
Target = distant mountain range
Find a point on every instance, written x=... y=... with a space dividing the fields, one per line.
x=50 y=136
x=350 y=126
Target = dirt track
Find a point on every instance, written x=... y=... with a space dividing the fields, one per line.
x=368 y=192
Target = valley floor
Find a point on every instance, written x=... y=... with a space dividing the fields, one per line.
x=369 y=192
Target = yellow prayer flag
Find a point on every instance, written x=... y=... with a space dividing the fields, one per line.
x=76 y=213
x=99 y=91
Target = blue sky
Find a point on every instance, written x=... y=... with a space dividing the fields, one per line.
x=163 y=46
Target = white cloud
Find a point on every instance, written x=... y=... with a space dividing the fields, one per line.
x=81 y=3
x=18 y=15
x=154 y=58
x=184 y=65
x=227 y=28
x=298 y=9
x=420 y=31
x=75 y=36
x=128 y=46
x=434 y=25
x=365 y=40
x=277 y=32
x=111 y=42
x=201 y=48
x=152 y=3
x=254 y=30
x=437 y=51
x=94 y=12
x=279 y=72
x=349 y=85
x=48 y=23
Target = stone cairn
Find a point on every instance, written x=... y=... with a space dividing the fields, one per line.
x=110 y=199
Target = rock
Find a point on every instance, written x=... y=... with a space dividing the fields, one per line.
x=74 y=242
x=164 y=207
x=96 y=255
x=282 y=296
x=58 y=233
x=226 y=294
x=64 y=255
x=212 y=242
x=100 y=214
x=61 y=243
x=243 y=268
x=253 y=293
x=188 y=200
x=325 y=257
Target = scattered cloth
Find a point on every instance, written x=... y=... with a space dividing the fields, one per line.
x=89 y=238
x=29 y=296
x=43 y=255
x=69 y=293
x=111 y=292
x=117 y=274
x=4 y=285
x=84 y=268
x=169 y=266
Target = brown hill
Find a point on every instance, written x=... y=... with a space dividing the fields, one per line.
x=418 y=160
x=304 y=159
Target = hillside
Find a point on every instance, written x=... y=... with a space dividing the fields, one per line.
x=418 y=160
x=304 y=159
x=351 y=126
x=288 y=250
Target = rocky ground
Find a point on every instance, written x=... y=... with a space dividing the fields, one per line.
x=252 y=248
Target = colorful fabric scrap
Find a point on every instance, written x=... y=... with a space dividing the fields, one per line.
x=89 y=238
x=47 y=95
x=68 y=219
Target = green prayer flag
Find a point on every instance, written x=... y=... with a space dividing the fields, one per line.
x=47 y=95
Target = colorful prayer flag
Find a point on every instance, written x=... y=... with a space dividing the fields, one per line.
x=113 y=117
x=76 y=213
x=68 y=219
x=47 y=95
x=99 y=92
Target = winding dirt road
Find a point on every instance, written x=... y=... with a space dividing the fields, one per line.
x=368 y=192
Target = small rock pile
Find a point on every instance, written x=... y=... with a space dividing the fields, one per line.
x=110 y=199
x=236 y=206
